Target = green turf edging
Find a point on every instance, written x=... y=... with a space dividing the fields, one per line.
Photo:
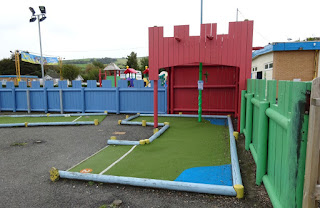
x=7 y=120
x=185 y=145
x=103 y=159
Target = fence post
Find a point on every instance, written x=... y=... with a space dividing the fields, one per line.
x=61 y=101
x=28 y=100
x=13 y=99
x=45 y=98
x=83 y=100
x=263 y=142
x=311 y=189
x=117 y=100
x=243 y=111
x=248 y=130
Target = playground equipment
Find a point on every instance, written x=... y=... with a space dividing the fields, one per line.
x=111 y=67
x=146 y=76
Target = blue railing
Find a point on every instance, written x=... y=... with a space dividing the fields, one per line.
x=121 y=99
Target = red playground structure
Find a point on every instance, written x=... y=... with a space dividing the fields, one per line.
x=226 y=63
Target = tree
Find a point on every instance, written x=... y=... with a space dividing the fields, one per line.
x=70 y=72
x=144 y=62
x=132 y=61
x=98 y=64
x=92 y=72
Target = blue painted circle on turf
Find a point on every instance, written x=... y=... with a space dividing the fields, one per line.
x=215 y=175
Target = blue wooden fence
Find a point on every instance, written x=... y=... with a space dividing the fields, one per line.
x=121 y=99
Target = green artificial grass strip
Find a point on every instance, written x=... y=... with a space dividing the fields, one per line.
x=103 y=159
x=186 y=144
x=6 y=120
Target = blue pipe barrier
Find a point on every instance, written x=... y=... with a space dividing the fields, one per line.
x=122 y=142
x=48 y=124
x=156 y=135
x=236 y=176
x=153 y=183
x=139 y=123
x=56 y=115
x=62 y=123
x=131 y=117
x=11 y=125
x=185 y=116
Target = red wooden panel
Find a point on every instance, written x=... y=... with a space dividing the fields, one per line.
x=186 y=44
x=202 y=43
x=166 y=52
x=208 y=43
x=218 y=94
x=171 y=51
x=225 y=48
x=160 y=47
x=155 y=71
x=151 y=52
x=176 y=45
x=212 y=44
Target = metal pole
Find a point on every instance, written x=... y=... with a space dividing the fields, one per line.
x=201 y=11
x=41 y=60
x=200 y=77
x=237 y=15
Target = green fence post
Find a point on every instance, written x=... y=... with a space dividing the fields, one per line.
x=263 y=141
x=243 y=111
x=248 y=130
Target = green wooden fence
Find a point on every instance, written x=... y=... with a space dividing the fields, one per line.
x=276 y=134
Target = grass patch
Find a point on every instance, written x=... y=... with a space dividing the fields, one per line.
x=18 y=144
x=6 y=120
x=103 y=159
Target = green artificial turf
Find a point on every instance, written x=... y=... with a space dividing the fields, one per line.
x=6 y=120
x=103 y=159
x=186 y=144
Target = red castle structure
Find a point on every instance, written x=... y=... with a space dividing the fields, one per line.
x=226 y=67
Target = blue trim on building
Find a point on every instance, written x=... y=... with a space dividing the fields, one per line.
x=15 y=76
x=289 y=46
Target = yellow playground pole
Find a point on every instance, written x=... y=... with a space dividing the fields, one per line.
x=17 y=62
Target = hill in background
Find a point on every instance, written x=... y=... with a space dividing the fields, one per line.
x=82 y=63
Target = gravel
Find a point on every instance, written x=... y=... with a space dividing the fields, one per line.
x=24 y=173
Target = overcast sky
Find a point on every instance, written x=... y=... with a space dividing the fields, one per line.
x=114 y=28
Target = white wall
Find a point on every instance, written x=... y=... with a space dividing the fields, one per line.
x=259 y=62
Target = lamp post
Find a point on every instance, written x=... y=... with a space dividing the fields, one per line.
x=40 y=18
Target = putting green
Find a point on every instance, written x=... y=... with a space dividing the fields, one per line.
x=6 y=120
x=186 y=144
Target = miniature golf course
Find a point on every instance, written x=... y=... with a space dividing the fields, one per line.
x=188 y=151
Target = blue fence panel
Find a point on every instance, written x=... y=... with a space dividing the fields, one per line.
x=122 y=99
x=21 y=99
x=53 y=100
x=37 y=99
x=72 y=101
x=100 y=99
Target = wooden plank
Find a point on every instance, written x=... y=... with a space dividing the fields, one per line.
x=186 y=44
x=151 y=53
x=160 y=48
x=176 y=45
x=202 y=52
x=171 y=50
x=311 y=189
x=165 y=52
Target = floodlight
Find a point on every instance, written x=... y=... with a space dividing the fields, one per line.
x=42 y=9
x=32 y=10
x=42 y=18
x=33 y=19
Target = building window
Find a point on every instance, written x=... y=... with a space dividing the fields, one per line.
x=254 y=68
x=268 y=66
